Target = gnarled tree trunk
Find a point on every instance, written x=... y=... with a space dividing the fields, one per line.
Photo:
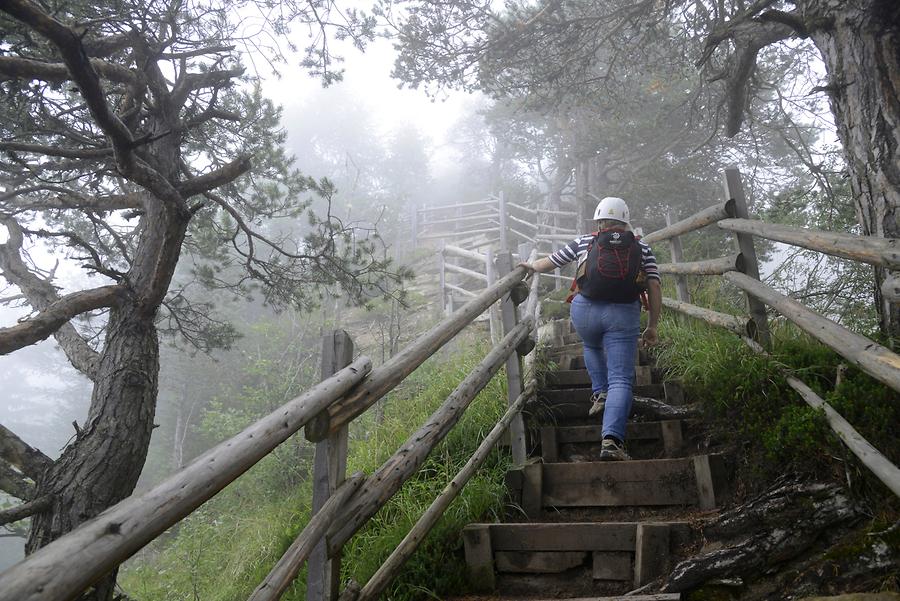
x=860 y=43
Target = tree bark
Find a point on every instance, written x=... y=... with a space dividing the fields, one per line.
x=860 y=44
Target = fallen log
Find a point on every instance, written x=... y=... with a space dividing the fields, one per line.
x=770 y=529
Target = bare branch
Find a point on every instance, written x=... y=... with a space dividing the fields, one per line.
x=14 y=514
x=14 y=483
x=57 y=151
x=45 y=323
x=23 y=68
x=41 y=294
x=20 y=454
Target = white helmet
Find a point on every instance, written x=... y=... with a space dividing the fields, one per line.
x=612 y=207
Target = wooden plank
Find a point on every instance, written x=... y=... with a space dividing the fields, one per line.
x=673 y=440
x=329 y=470
x=673 y=392
x=549 y=444
x=611 y=565
x=651 y=552
x=532 y=488
x=582 y=434
x=538 y=562
x=479 y=557
x=587 y=536
x=657 y=597
x=706 y=490
x=581 y=395
x=606 y=484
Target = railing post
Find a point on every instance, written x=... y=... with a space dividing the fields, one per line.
x=442 y=257
x=514 y=385
x=494 y=311
x=678 y=257
x=501 y=206
x=329 y=471
x=734 y=189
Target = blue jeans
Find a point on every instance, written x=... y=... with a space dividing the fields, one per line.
x=610 y=333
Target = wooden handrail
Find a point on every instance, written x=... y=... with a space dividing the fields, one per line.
x=710 y=267
x=881 y=252
x=388 y=479
x=871 y=357
x=694 y=222
x=70 y=564
x=741 y=326
x=391 y=566
x=457 y=234
x=285 y=571
x=460 y=289
x=521 y=208
x=462 y=252
x=480 y=215
x=384 y=378
x=467 y=272
x=871 y=457
x=478 y=203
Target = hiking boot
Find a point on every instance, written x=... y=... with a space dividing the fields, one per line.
x=613 y=450
x=598 y=402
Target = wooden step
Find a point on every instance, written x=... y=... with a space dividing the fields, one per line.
x=669 y=433
x=658 y=597
x=635 y=552
x=696 y=481
x=569 y=378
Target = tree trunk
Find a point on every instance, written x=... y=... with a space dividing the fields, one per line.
x=860 y=44
x=102 y=466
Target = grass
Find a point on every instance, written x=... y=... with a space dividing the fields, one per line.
x=222 y=551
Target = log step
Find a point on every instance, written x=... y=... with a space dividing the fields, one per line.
x=568 y=378
x=635 y=552
x=696 y=481
x=669 y=433
x=659 y=597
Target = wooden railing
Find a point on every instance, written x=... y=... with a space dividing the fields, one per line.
x=72 y=563
x=742 y=270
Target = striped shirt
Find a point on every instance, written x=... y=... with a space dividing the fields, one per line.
x=577 y=249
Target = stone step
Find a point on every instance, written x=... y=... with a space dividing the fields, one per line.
x=695 y=481
x=586 y=440
x=633 y=552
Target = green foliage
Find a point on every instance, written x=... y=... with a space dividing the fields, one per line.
x=750 y=405
x=225 y=549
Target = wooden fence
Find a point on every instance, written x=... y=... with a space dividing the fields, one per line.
x=742 y=270
x=342 y=505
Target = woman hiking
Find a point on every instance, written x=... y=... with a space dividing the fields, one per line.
x=614 y=268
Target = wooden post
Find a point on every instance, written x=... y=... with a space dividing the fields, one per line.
x=651 y=552
x=734 y=189
x=494 y=312
x=501 y=207
x=514 y=385
x=678 y=257
x=442 y=256
x=329 y=471
x=479 y=556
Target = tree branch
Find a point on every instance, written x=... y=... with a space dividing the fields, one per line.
x=14 y=514
x=41 y=294
x=218 y=177
x=45 y=323
x=14 y=483
x=57 y=151
x=20 y=454
x=12 y=67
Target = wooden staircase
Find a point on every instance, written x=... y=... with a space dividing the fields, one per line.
x=577 y=528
